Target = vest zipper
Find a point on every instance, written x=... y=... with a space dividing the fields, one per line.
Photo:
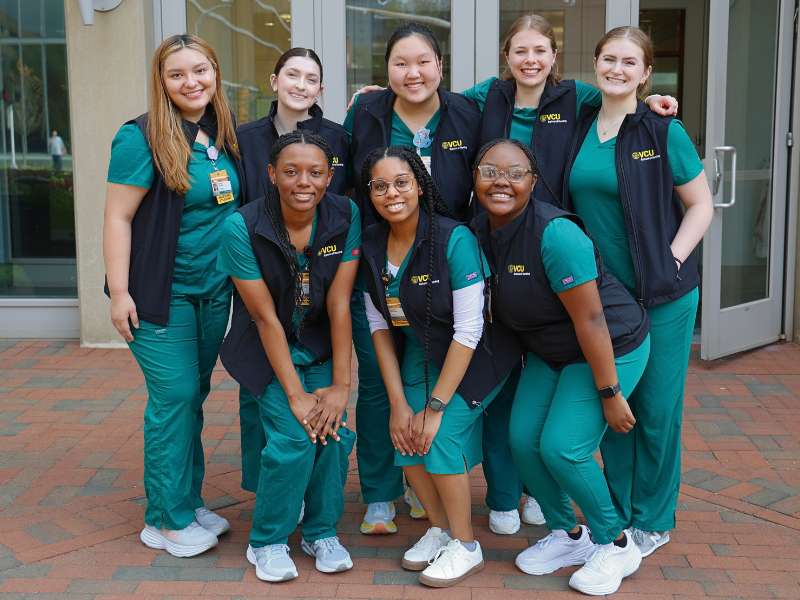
x=625 y=196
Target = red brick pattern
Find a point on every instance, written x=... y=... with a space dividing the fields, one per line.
x=71 y=496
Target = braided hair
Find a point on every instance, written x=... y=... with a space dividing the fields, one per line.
x=432 y=203
x=272 y=201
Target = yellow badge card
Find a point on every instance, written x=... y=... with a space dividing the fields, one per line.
x=396 y=312
x=305 y=286
x=221 y=186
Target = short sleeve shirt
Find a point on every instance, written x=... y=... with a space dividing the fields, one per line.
x=567 y=255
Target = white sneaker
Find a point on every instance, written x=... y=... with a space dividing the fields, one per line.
x=420 y=554
x=379 y=519
x=189 y=541
x=331 y=556
x=272 y=562
x=415 y=508
x=648 y=541
x=504 y=522
x=554 y=551
x=532 y=512
x=302 y=512
x=452 y=564
x=606 y=568
x=211 y=521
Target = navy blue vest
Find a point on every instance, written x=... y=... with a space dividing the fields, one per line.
x=255 y=143
x=495 y=356
x=154 y=234
x=653 y=211
x=242 y=352
x=525 y=302
x=552 y=131
x=455 y=145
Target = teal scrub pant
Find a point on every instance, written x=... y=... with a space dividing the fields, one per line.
x=177 y=361
x=643 y=468
x=557 y=424
x=381 y=480
x=251 y=435
x=503 y=485
x=293 y=469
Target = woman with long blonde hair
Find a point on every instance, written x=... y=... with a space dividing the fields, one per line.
x=172 y=181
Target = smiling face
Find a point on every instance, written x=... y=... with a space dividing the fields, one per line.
x=620 y=68
x=530 y=58
x=190 y=82
x=504 y=200
x=395 y=206
x=414 y=69
x=301 y=175
x=298 y=84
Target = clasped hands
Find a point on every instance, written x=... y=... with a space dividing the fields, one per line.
x=321 y=412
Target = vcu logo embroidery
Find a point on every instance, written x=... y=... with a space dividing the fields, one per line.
x=454 y=145
x=643 y=155
x=328 y=250
x=422 y=279
x=335 y=162
x=517 y=270
x=552 y=118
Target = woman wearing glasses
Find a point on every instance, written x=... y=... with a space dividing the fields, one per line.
x=587 y=346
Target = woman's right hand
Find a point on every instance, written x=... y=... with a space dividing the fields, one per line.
x=364 y=90
x=618 y=413
x=301 y=404
x=123 y=315
x=400 y=428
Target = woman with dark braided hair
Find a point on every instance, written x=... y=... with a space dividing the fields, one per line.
x=293 y=257
x=586 y=345
x=424 y=276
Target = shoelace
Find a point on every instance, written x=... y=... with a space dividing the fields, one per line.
x=426 y=539
x=328 y=545
x=443 y=551
x=273 y=551
x=638 y=536
x=599 y=555
x=542 y=543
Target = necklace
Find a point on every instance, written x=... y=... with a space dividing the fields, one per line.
x=609 y=127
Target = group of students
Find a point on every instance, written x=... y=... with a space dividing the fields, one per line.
x=515 y=270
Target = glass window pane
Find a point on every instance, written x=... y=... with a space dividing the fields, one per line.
x=54 y=18
x=369 y=25
x=9 y=15
x=32 y=114
x=31 y=18
x=248 y=38
x=577 y=25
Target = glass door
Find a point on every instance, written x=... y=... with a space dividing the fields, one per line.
x=747 y=120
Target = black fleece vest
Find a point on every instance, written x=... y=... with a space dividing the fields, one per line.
x=154 y=234
x=495 y=356
x=525 y=302
x=255 y=143
x=453 y=150
x=552 y=132
x=653 y=211
x=242 y=352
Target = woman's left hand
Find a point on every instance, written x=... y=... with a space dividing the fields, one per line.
x=326 y=417
x=424 y=438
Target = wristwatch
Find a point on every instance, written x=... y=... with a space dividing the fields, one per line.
x=609 y=392
x=436 y=405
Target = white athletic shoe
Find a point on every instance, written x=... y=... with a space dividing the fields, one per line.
x=211 y=521
x=606 y=568
x=452 y=564
x=554 y=551
x=379 y=519
x=648 y=541
x=415 y=508
x=504 y=522
x=272 y=562
x=532 y=512
x=331 y=556
x=189 y=541
x=420 y=554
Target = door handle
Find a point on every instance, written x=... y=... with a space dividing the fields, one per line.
x=719 y=152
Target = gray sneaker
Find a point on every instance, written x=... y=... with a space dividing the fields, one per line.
x=648 y=541
x=272 y=562
x=331 y=556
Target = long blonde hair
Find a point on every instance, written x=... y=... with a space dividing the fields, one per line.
x=171 y=151
x=536 y=23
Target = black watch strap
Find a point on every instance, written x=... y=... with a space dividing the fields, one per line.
x=609 y=392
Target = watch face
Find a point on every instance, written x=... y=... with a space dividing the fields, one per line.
x=436 y=405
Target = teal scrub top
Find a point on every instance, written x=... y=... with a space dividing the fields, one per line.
x=567 y=255
x=237 y=259
x=195 y=272
x=595 y=193
x=523 y=119
x=464 y=259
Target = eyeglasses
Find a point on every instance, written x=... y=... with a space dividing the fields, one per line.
x=402 y=183
x=512 y=174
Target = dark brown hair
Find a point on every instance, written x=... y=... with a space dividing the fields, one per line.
x=297 y=51
x=536 y=23
x=638 y=37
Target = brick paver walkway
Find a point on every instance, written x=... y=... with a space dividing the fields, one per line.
x=71 y=497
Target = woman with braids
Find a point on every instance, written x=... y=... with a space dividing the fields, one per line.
x=586 y=347
x=172 y=181
x=293 y=257
x=296 y=81
x=424 y=276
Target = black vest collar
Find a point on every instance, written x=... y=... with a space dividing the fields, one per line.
x=382 y=108
x=208 y=123
x=508 y=87
x=329 y=222
x=312 y=123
